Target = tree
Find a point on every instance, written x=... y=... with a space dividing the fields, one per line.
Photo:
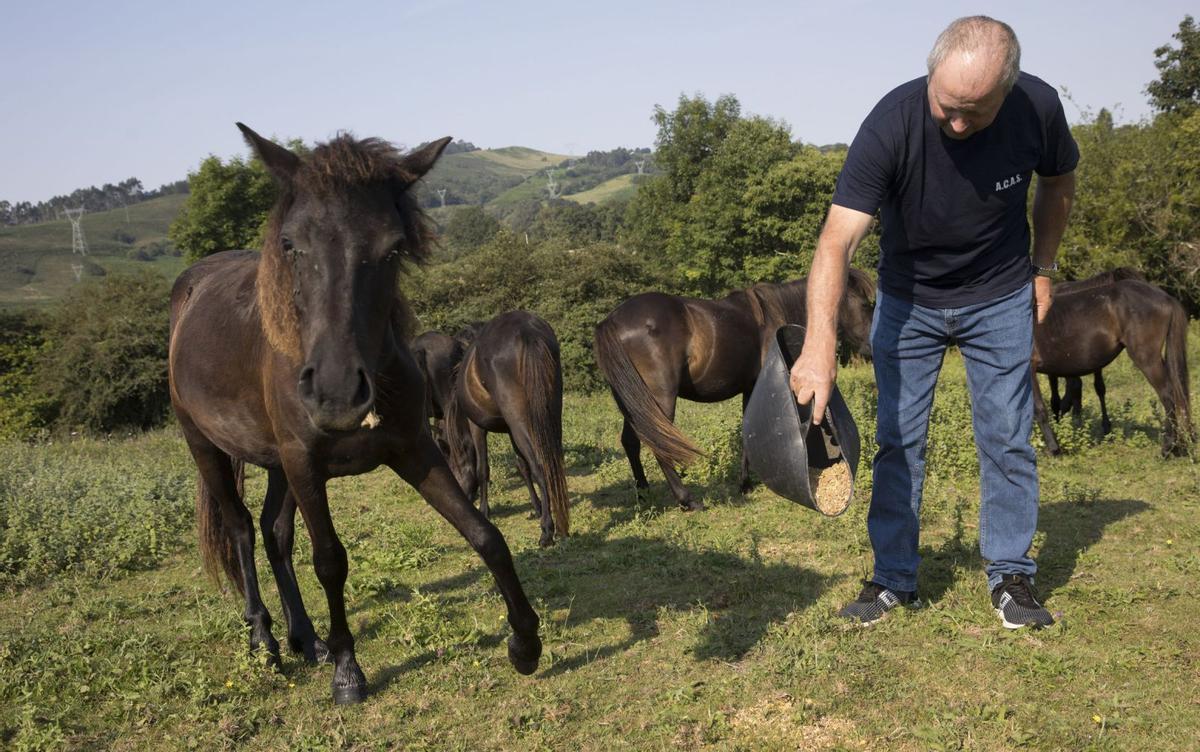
x=226 y=208
x=105 y=361
x=470 y=227
x=1178 y=86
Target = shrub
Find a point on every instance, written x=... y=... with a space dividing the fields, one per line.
x=104 y=366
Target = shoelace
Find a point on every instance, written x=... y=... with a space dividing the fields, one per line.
x=1021 y=592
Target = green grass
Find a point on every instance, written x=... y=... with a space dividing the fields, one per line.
x=36 y=260
x=521 y=158
x=662 y=630
x=620 y=187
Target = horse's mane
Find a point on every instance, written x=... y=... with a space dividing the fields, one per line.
x=1100 y=280
x=337 y=167
x=776 y=303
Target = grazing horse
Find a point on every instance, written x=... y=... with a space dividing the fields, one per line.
x=1088 y=328
x=510 y=381
x=294 y=360
x=1072 y=399
x=655 y=348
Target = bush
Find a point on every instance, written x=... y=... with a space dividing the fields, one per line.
x=104 y=366
x=91 y=506
x=23 y=409
x=572 y=289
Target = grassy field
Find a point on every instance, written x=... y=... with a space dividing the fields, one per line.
x=620 y=187
x=36 y=260
x=662 y=630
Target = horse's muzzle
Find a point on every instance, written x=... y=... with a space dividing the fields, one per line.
x=336 y=399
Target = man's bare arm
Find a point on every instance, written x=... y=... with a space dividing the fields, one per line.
x=1051 y=208
x=815 y=370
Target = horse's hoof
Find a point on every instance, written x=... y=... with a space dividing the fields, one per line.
x=318 y=652
x=349 y=685
x=351 y=695
x=524 y=654
x=547 y=540
x=692 y=506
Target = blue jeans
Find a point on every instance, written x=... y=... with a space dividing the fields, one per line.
x=908 y=342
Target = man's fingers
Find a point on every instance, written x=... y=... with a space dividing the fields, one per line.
x=819 y=402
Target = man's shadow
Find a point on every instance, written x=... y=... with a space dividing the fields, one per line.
x=1071 y=527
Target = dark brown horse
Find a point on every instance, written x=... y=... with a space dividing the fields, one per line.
x=294 y=360
x=655 y=348
x=1072 y=399
x=510 y=381
x=1086 y=329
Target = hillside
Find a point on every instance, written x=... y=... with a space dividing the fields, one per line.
x=617 y=189
x=478 y=177
x=36 y=260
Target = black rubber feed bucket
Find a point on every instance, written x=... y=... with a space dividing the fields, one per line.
x=815 y=468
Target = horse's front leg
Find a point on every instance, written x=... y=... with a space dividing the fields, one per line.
x=277 y=523
x=329 y=560
x=745 y=483
x=424 y=468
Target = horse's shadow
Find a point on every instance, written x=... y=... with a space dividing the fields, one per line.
x=1070 y=527
x=638 y=580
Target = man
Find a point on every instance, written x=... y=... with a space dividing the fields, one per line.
x=947 y=160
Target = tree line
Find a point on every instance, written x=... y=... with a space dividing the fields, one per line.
x=92 y=199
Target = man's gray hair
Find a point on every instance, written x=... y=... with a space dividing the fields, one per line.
x=975 y=33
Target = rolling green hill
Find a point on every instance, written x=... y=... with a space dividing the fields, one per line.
x=618 y=188
x=36 y=260
x=478 y=177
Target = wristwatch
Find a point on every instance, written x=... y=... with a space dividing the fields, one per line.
x=1044 y=271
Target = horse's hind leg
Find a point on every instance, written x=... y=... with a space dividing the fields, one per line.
x=220 y=480
x=1056 y=405
x=329 y=560
x=425 y=470
x=1150 y=362
x=278 y=525
x=523 y=444
x=1105 y=423
x=1073 y=399
x=633 y=450
x=674 y=482
x=483 y=468
x=1042 y=420
x=526 y=475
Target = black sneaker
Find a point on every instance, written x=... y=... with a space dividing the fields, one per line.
x=874 y=601
x=1016 y=604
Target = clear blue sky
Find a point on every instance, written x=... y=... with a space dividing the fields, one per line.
x=97 y=92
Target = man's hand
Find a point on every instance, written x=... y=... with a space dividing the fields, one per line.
x=1043 y=297
x=812 y=378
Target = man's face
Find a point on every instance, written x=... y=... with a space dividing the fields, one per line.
x=965 y=94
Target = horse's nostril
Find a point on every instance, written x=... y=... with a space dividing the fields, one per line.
x=306 y=382
x=363 y=394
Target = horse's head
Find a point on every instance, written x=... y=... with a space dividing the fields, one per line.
x=856 y=311
x=344 y=221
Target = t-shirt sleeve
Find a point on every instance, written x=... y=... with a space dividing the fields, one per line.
x=1060 y=153
x=867 y=173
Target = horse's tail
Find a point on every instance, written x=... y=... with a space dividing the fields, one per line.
x=454 y=425
x=543 y=393
x=636 y=402
x=1177 y=369
x=215 y=545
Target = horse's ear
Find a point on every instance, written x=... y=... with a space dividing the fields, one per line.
x=421 y=161
x=280 y=162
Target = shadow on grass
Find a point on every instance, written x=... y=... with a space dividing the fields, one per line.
x=636 y=579
x=1071 y=527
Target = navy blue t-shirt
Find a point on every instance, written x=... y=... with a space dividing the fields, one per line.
x=952 y=212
